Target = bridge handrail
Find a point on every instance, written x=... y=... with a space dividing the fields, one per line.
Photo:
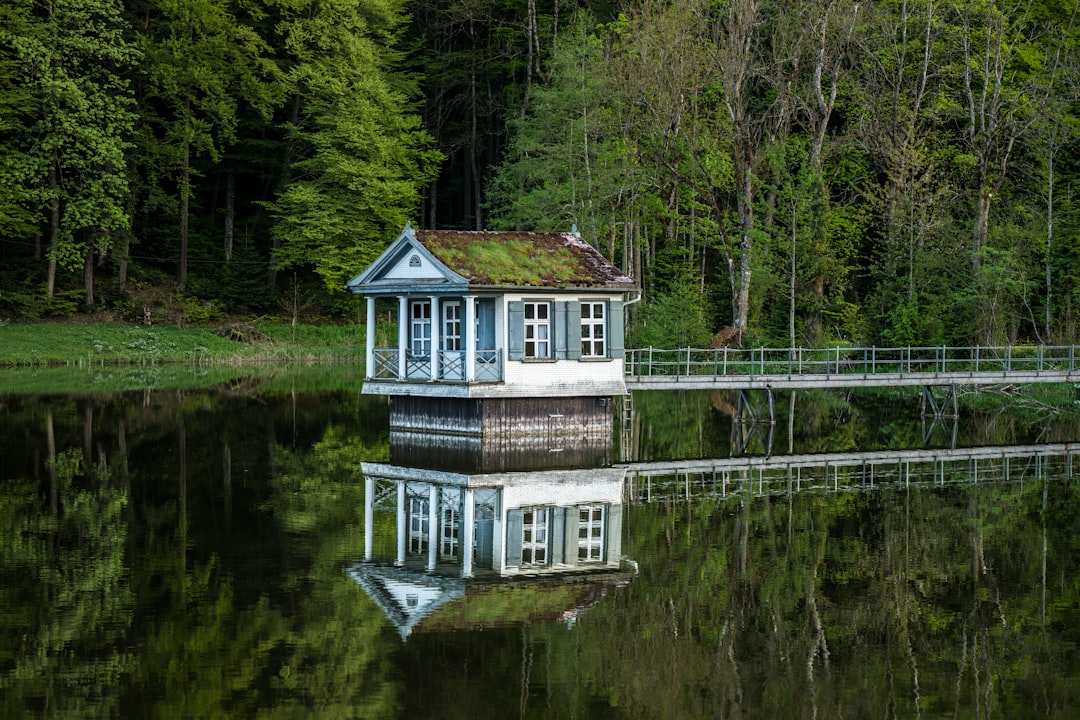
x=850 y=361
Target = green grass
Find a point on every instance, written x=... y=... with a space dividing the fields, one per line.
x=102 y=344
x=263 y=378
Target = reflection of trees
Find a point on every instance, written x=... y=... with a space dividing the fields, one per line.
x=917 y=603
x=177 y=576
x=64 y=590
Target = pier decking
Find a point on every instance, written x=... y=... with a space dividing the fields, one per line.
x=847 y=367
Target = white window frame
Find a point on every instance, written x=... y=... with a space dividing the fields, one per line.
x=594 y=329
x=450 y=337
x=535 y=522
x=419 y=519
x=539 y=330
x=591 y=533
x=420 y=327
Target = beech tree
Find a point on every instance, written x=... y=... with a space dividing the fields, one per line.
x=361 y=156
x=70 y=169
x=203 y=63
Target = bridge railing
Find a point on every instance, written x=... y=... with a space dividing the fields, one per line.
x=792 y=362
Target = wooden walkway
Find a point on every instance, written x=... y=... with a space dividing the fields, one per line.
x=845 y=472
x=851 y=367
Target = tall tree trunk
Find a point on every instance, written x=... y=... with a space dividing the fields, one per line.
x=230 y=214
x=185 y=201
x=54 y=229
x=88 y=277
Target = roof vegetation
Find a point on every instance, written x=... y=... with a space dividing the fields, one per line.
x=521 y=258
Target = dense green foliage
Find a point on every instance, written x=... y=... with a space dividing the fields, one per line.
x=899 y=172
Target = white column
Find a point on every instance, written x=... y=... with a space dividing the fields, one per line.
x=436 y=322
x=470 y=339
x=402 y=523
x=467 y=532
x=369 y=355
x=433 y=527
x=402 y=334
x=369 y=517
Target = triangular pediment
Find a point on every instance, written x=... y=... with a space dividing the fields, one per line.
x=406 y=265
x=405 y=597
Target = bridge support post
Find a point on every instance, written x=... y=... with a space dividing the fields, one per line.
x=948 y=408
x=749 y=417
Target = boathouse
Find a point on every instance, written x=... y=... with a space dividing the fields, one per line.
x=485 y=314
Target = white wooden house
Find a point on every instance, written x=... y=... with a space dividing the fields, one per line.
x=494 y=315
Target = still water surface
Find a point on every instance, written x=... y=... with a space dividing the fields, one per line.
x=220 y=553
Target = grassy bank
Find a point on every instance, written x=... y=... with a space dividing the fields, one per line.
x=235 y=379
x=73 y=344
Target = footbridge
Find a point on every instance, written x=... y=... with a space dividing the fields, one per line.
x=848 y=367
x=756 y=476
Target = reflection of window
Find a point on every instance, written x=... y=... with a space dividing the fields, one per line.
x=534 y=536
x=451 y=334
x=593 y=337
x=590 y=533
x=537 y=330
x=420 y=313
x=449 y=524
x=418 y=524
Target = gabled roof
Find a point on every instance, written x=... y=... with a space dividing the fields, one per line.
x=456 y=259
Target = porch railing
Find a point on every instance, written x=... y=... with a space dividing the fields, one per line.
x=451 y=366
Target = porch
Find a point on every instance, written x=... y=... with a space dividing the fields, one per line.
x=449 y=366
x=449 y=339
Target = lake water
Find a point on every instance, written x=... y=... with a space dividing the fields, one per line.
x=221 y=553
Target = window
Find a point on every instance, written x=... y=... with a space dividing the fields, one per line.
x=418 y=524
x=451 y=334
x=420 y=313
x=450 y=526
x=537 y=330
x=414 y=261
x=534 y=536
x=593 y=336
x=590 y=533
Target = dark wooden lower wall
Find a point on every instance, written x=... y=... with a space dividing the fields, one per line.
x=497 y=417
x=501 y=434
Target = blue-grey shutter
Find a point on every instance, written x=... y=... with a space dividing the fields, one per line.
x=560 y=331
x=573 y=526
x=613 y=533
x=516 y=330
x=485 y=310
x=555 y=535
x=573 y=330
x=512 y=551
x=615 y=329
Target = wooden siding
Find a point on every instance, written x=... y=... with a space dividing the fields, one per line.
x=584 y=417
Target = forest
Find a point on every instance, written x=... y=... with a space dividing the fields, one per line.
x=888 y=172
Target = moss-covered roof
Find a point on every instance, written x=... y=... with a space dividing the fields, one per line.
x=523 y=259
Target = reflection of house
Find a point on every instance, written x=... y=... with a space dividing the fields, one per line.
x=500 y=524
x=495 y=315
x=456 y=540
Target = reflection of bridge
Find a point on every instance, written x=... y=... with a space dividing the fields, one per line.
x=845 y=471
x=797 y=368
